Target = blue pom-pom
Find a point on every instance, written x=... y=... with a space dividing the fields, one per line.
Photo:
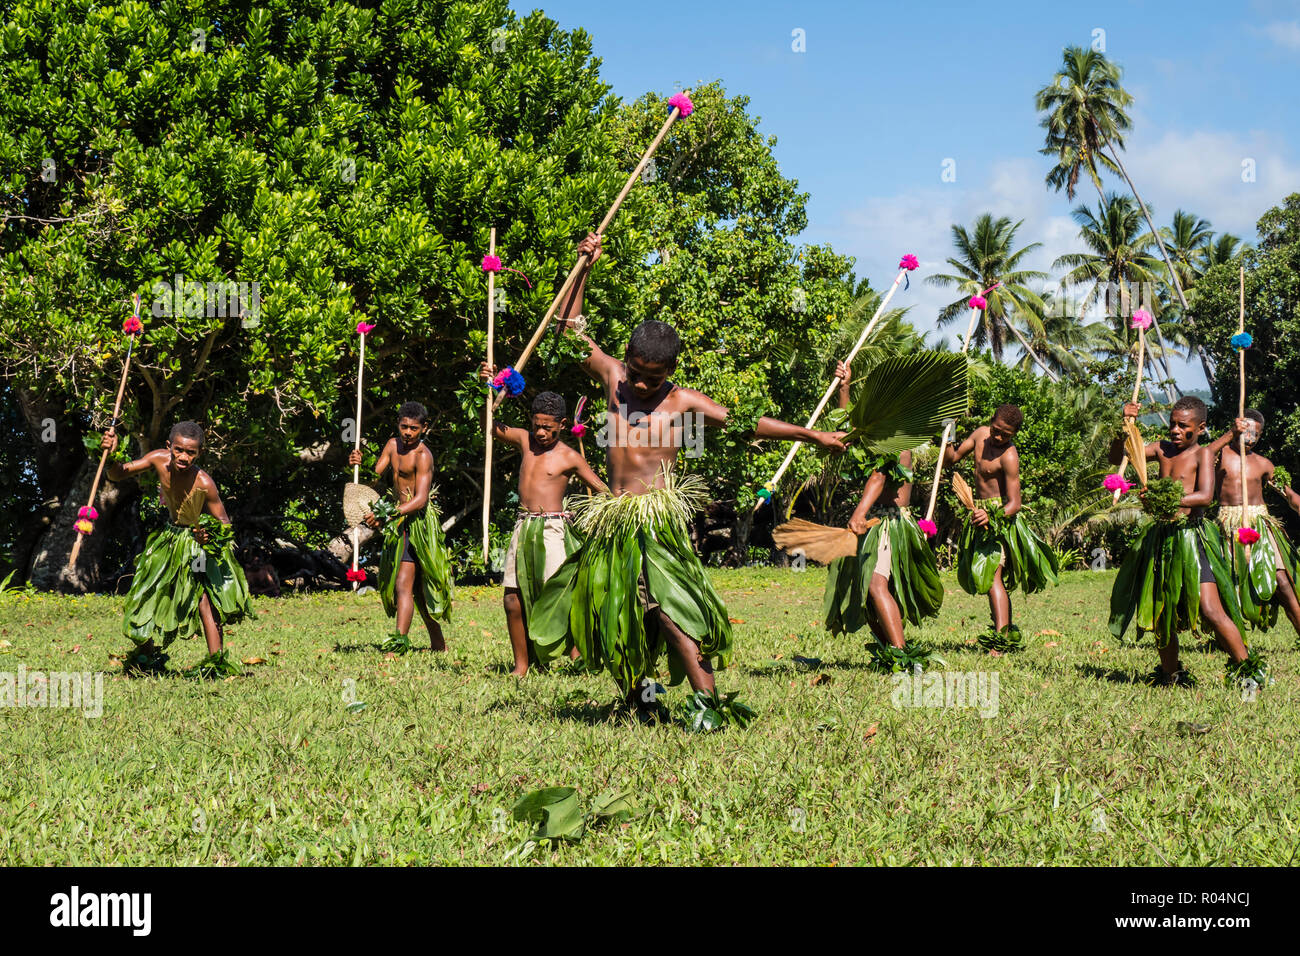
x=510 y=380
x=1241 y=340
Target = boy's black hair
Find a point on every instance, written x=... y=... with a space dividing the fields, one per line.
x=186 y=430
x=413 y=410
x=654 y=341
x=549 y=403
x=1011 y=414
x=1190 y=403
x=1255 y=415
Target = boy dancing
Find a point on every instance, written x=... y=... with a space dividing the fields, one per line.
x=636 y=587
x=998 y=551
x=414 y=567
x=186 y=578
x=542 y=537
x=894 y=575
x=1176 y=574
x=1267 y=579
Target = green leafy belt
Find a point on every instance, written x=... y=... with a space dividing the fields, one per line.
x=432 y=562
x=900 y=660
x=220 y=535
x=1158 y=585
x=1281 y=478
x=592 y=599
x=163 y=602
x=913 y=581
x=1008 y=639
x=906 y=400
x=1257 y=589
x=1254 y=667
x=706 y=712
x=559 y=816
x=1030 y=564
x=1163 y=500
x=530 y=557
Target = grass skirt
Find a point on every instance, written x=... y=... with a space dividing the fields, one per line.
x=913 y=580
x=1257 y=589
x=1159 y=583
x=1030 y=564
x=594 y=598
x=432 y=561
x=530 y=557
x=163 y=602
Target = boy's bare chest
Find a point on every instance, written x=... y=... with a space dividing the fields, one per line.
x=544 y=466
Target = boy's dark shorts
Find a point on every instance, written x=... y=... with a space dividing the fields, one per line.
x=1203 y=559
x=407 y=553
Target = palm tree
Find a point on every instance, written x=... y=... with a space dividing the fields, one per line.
x=1184 y=242
x=1086 y=115
x=985 y=258
x=1066 y=341
x=1225 y=247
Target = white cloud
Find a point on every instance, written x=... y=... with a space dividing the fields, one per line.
x=1285 y=33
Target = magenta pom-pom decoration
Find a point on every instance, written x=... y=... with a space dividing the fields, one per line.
x=908 y=262
x=1142 y=319
x=682 y=102
x=579 y=429
x=978 y=302
x=491 y=263
x=133 y=325
x=88 y=512
x=928 y=526
x=1247 y=535
x=364 y=328
x=1117 y=483
x=357 y=575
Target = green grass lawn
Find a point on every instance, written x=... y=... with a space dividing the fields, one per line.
x=1082 y=763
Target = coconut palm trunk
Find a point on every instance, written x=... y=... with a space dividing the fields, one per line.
x=1173 y=273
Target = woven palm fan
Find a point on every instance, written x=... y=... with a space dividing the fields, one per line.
x=1135 y=447
x=357 y=501
x=816 y=541
x=964 y=495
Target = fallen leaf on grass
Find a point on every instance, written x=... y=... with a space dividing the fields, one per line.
x=75 y=648
x=254 y=660
x=1052 y=644
x=5 y=644
x=820 y=679
x=871 y=732
x=736 y=620
x=1050 y=634
x=1186 y=729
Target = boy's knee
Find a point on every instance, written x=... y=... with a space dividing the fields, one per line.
x=512 y=602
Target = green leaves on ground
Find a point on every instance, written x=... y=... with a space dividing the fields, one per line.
x=559 y=816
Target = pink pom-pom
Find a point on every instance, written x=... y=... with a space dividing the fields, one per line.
x=133 y=325
x=491 y=263
x=1142 y=319
x=682 y=102
x=364 y=328
x=88 y=512
x=357 y=575
x=1117 y=483
x=908 y=262
x=928 y=526
x=978 y=302
x=1247 y=535
x=579 y=429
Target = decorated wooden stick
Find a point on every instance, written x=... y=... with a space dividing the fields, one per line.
x=356 y=575
x=1242 y=341
x=977 y=305
x=1117 y=484
x=681 y=106
x=86 y=516
x=906 y=265
x=488 y=263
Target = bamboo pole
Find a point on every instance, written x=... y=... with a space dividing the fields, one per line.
x=487 y=453
x=830 y=389
x=582 y=259
x=356 y=446
x=949 y=426
x=103 y=458
x=1241 y=402
x=1137 y=391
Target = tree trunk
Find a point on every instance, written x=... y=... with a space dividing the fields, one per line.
x=48 y=564
x=1173 y=276
x=1032 y=354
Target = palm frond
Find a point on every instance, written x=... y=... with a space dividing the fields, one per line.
x=906 y=400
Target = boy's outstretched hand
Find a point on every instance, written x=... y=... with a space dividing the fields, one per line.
x=109 y=441
x=831 y=441
x=1132 y=410
x=590 y=246
x=486 y=372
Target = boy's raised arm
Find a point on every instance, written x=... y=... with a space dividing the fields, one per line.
x=116 y=471
x=956 y=453
x=715 y=415
x=599 y=364
x=500 y=430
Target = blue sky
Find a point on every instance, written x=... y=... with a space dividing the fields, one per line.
x=883 y=94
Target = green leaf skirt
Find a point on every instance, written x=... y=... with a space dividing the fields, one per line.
x=1256 y=580
x=913 y=579
x=595 y=601
x=1030 y=564
x=172 y=574
x=432 y=561
x=1159 y=583
x=530 y=556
